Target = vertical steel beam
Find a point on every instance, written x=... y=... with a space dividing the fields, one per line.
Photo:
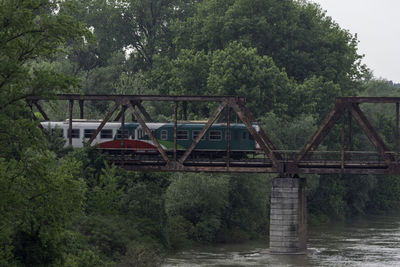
x=349 y=140
x=106 y=119
x=342 y=142
x=123 y=126
x=175 y=127
x=81 y=109
x=184 y=110
x=71 y=106
x=228 y=135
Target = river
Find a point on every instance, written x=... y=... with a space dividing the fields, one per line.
x=370 y=241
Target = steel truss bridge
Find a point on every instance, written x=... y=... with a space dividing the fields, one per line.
x=270 y=160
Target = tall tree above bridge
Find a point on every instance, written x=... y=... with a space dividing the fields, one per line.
x=313 y=59
x=296 y=34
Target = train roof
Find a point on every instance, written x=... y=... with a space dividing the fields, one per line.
x=151 y=125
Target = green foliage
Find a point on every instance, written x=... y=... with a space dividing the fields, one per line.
x=109 y=235
x=315 y=97
x=237 y=70
x=328 y=200
x=286 y=133
x=247 y=214
x=39 y=196
x=296 y=34
x=385 y=196
x=31 y=32
x=200 y=199
x=106 y=196
x=358 y=193
x=69 y=208
x=210 y=208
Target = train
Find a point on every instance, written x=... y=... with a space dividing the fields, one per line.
x=136 y=140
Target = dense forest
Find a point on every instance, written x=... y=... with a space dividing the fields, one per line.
x=60 y=206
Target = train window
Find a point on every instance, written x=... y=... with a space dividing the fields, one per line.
x=119 y=134
x=182 y=135
x=106 y=134
x=74 y=133
x=140 y=133
x=196 y=133
x=251 y=137
x=164 y=135
x=87 y=133
x=215 y=135
x=244 y=135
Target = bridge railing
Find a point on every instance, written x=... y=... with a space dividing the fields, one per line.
x=348 y=156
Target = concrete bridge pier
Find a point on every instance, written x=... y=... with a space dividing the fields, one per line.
x=288 y=223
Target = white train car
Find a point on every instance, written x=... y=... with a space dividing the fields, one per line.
x=83 y=130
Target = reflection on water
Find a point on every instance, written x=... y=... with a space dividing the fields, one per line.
x=372 y=241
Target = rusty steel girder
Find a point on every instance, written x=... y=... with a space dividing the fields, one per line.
x=276 y=161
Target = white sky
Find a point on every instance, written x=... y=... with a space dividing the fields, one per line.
x=377 y=24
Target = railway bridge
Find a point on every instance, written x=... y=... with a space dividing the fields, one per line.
x=288 y=229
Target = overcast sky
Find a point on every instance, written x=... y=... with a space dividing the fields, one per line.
x=377 y=24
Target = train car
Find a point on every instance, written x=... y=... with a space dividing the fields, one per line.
x=136 y=139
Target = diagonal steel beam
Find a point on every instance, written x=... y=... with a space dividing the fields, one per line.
x=119 y=115
x=41 y=110
x=106 y=119
x=261 y=131
x=321 y=132
x=71 y=106
x=149 y=133
x=203 y=131
x=29 y=103
x=370 y=131
x=245 y=115
x=143 y=111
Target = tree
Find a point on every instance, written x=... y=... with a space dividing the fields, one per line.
x=39 y=194
x=30 y=32
x=39 y=197
x=199 y=201
x=237 y=70
x=296 y=34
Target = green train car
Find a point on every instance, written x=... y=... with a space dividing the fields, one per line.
x=214 y=140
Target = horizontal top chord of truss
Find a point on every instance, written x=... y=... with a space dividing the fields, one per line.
x=361 y=99
x=119 y=98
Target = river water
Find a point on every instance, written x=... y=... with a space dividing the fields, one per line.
x=370 y=241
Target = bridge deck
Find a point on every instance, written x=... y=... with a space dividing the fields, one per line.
x=318 y=163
